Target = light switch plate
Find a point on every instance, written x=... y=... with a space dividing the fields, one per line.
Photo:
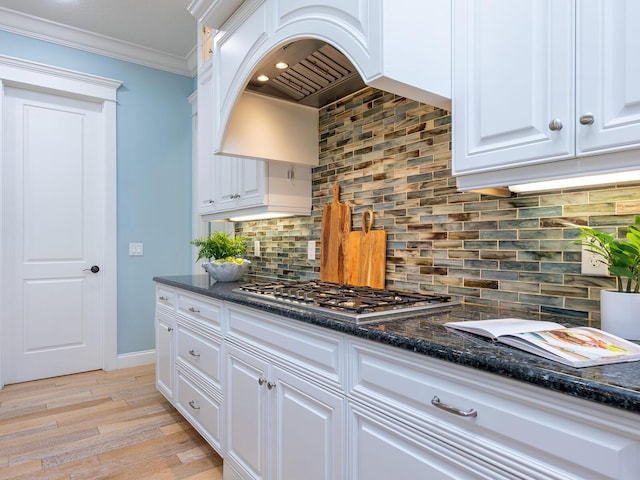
x=135 y=249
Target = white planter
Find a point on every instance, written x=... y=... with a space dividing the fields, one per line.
x=226 y=272
x=619 y=314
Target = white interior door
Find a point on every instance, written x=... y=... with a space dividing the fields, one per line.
x=52 y=211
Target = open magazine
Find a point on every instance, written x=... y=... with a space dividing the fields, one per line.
x=575 y=346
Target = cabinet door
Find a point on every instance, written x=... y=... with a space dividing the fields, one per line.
x=307 y=437
x=164 y=356
x=203 y=142
x=251 y=182
x=608 y=87
x=238 y=182
x=513 y=75
x=225 y=182
x=246 y=398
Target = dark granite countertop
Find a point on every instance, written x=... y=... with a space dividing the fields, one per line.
x=616 y=385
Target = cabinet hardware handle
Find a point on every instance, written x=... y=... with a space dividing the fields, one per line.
x=587 y=119
x=270 y=385
x=435 y=401
x=209 y=201
x=555 y=125
x=193 y=353
x=164 y=299
x=193 y=310
x=261 y=381
x=193 y=404
x=169 y=329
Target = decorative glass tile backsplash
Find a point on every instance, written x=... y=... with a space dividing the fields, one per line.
x=393 y=155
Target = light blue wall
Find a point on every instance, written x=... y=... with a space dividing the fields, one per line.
x=154 y=175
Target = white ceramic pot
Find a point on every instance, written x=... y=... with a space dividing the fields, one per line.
x=226 y=272
x=620 y=314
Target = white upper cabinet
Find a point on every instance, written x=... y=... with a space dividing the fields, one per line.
x=539 y=86
x=203 y=144
x=237 y=183
x=608 y=66
x=244 y=187
x=513 y=75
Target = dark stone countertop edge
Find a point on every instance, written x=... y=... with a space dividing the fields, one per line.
x=529 y=368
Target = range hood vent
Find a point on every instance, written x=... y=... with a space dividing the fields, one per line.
x=318 y=74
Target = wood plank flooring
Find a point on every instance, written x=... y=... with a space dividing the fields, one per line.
x=99 y=425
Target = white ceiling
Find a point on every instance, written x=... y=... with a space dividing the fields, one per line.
x=161 y=32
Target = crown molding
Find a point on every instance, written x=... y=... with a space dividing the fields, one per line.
x=53 y=32
x=213 y=13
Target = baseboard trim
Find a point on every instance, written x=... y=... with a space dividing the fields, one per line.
x=135 y=359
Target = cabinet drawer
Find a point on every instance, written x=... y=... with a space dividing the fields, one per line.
x=209 y=311
x=166 y=297
x=561 y=430
x=200 y=408
x=200 y=352
x=294 y=345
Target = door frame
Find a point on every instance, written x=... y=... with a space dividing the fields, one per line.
x=29 y=75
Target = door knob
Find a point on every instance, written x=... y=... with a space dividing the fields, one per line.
x=93 y=269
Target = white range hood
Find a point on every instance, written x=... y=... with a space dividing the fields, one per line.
x=378 y=38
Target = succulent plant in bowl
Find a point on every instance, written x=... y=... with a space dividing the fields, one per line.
x=224 y=254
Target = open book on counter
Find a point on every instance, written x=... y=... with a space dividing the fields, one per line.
x=574 y=346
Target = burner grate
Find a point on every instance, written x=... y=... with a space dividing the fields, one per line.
x=348 y=302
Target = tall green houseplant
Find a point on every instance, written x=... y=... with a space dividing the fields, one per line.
x=621 y=256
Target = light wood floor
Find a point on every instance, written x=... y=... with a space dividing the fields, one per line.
x=99 y=425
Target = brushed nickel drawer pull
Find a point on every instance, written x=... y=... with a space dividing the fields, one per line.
x=193 y=353
x=163 y=298
x=270 y=385
x=261 y=381
x=194 y=310
x=193 y=404
x=435 y=401
x=169 y=329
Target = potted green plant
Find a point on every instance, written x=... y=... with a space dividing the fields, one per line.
x=224 y=255
x=622 y=256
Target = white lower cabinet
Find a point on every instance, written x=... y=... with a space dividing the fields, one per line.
x=246 y=394
x=200 y=405
x=164 y=354
x=384 y=448
x=189 y=358
x=410 y=413
x=280 y=424
x=280 y=399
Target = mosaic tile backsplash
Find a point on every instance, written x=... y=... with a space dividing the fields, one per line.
x=393 y=155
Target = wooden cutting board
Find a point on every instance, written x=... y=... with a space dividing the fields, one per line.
x=336 y=225
x=367 y=255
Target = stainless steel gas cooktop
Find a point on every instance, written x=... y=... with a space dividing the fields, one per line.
x=345 y=302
